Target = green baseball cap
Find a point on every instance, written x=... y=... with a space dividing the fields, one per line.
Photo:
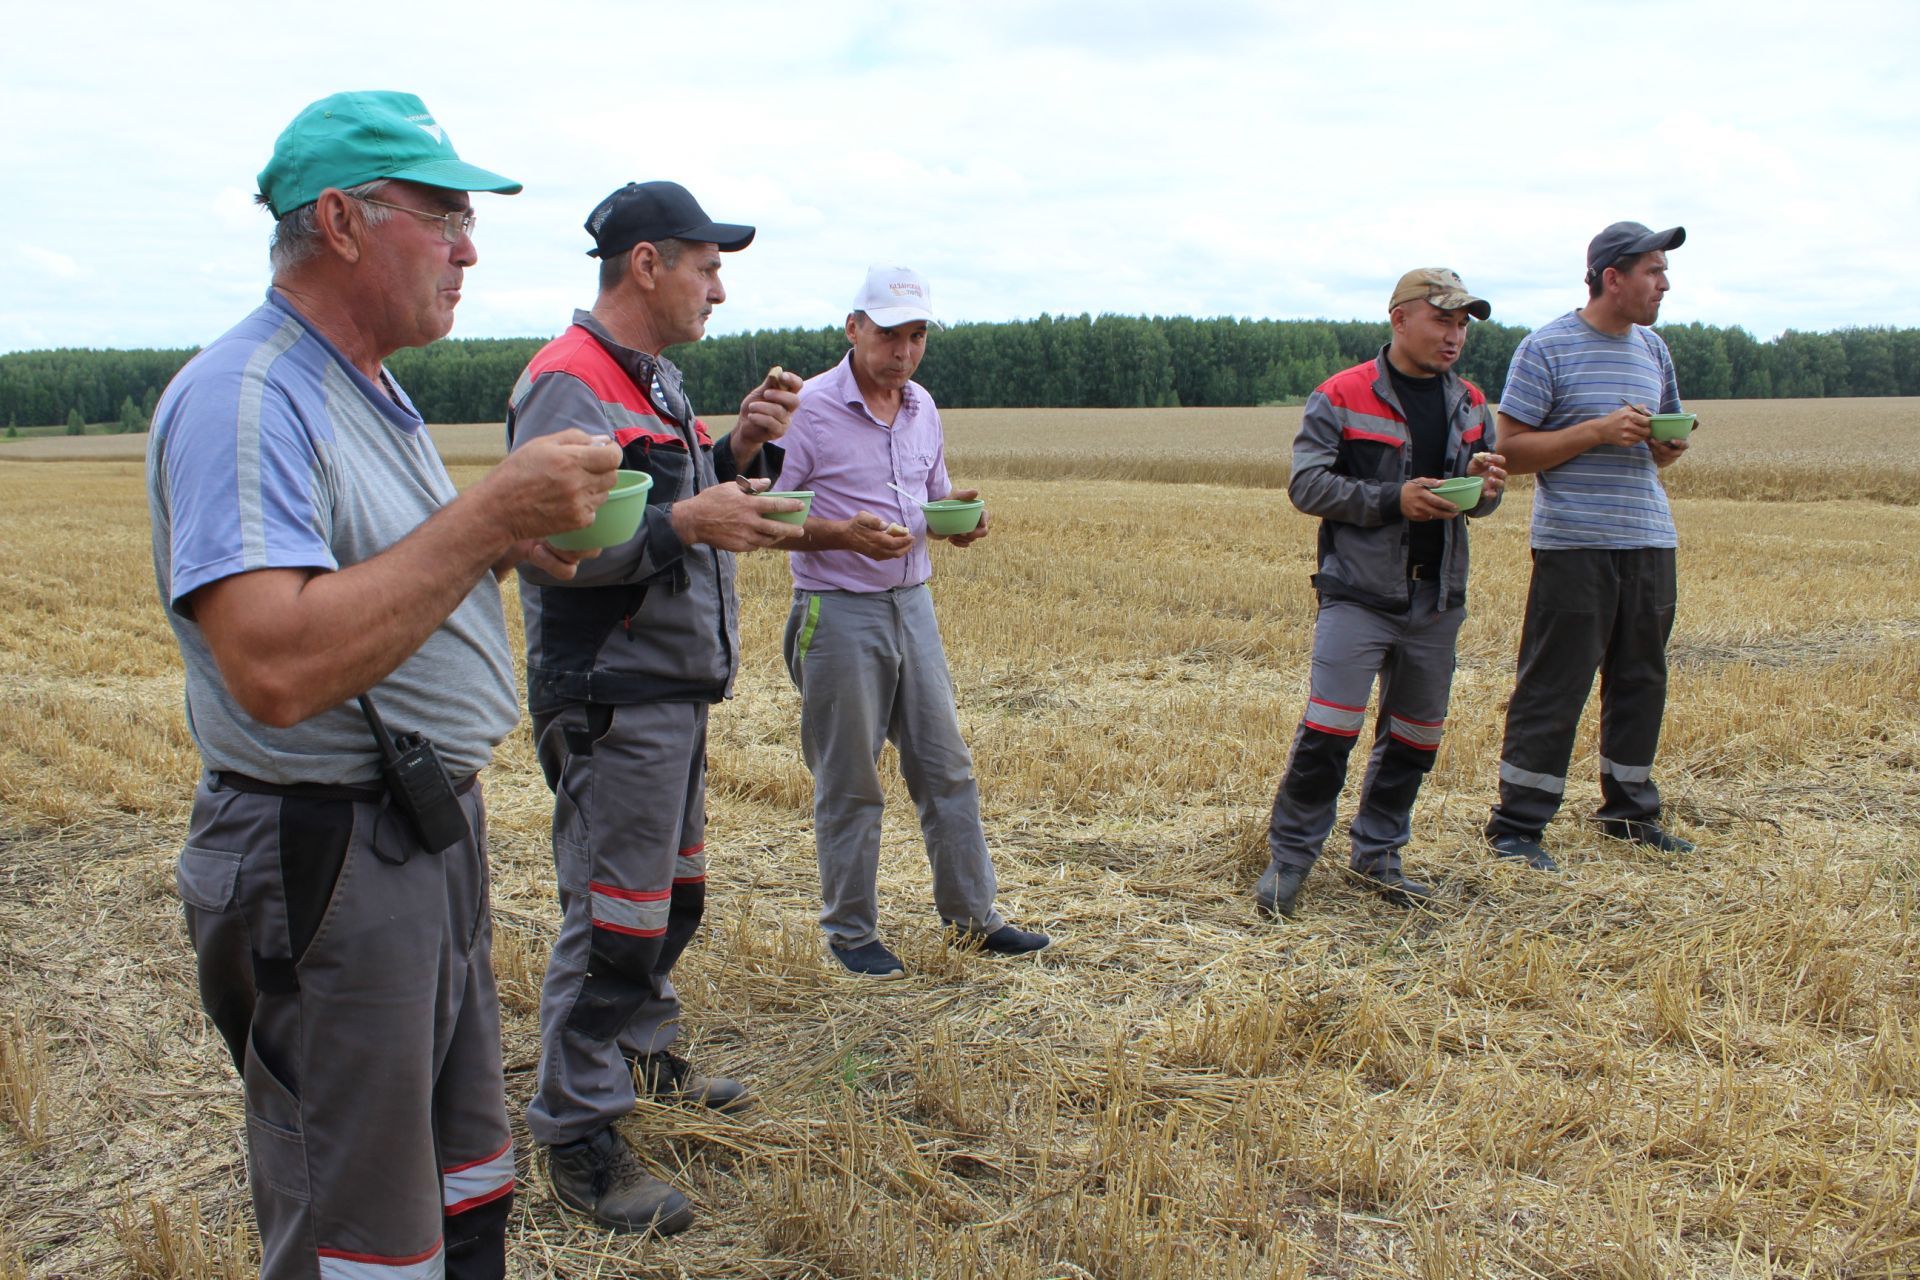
x=350 y=138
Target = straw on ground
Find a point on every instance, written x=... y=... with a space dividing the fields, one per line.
x=1646 y=1066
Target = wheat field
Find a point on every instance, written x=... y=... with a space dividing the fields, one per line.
x=1646 y=1066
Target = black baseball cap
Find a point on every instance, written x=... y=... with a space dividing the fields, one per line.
x=655 y=211
x=1624 y=239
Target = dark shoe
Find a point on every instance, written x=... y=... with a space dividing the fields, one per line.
x=871 y=960
x=1007 y=940
x=1278 y=890
x=601 y=1177
x=667 y=1077
x=1650 y=834
x=1396 y=888
x=1524 y=850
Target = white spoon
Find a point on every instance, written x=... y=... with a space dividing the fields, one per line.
x=905 y=493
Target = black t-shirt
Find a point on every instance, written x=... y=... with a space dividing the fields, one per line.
x=1425 y=402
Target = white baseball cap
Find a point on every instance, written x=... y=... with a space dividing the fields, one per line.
x=895 y=296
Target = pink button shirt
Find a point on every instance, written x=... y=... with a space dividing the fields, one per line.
x=843 y=453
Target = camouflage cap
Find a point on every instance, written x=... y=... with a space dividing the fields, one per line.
x=1440 y=286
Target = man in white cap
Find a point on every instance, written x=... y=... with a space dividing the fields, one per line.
x=862 y=644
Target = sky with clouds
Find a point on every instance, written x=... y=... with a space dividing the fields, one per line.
x=1272 y=159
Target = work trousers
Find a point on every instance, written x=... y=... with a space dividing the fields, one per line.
x=1412 y=654
x=357 y=999
x=871 y=670
x=1587 y=611
x=629 y=850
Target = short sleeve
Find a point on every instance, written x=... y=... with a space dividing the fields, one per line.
x=1528 y=395
x=243 y=484
x=1669 y=381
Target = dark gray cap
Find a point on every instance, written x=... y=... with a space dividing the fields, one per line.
x=657 y=211
x=1624 y=239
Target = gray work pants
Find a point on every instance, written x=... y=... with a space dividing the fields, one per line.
x=1609 y=612
x=629 y=848
x=1412 y=654
x=357 y=1000
x=871 y=670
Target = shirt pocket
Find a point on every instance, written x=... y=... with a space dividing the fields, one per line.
x=915 y=465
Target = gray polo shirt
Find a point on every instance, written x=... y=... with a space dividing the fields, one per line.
x=271 y=451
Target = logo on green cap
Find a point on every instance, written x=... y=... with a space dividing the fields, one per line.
x=351 y=138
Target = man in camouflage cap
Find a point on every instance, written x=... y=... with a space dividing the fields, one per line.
x=1375 y=442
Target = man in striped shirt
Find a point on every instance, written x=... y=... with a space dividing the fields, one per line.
x=1576 y=412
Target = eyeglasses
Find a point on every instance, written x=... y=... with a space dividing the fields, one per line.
x=452 y=225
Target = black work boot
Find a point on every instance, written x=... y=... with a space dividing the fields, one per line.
x=601 y=1177
x=1396 y=887
x=1521 y=849
x=1650 y=834
x=667 y=1077
x=1278 y=890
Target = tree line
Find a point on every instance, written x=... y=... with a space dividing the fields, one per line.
x=1079 y=361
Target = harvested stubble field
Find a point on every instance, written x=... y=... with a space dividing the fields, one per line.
x=1646 y=1066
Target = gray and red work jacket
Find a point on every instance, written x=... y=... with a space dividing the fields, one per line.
x=651 y=620
x=1350 y=460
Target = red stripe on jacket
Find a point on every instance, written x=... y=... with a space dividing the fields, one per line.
x=579 y=354
x=1353 y=389
x=1354 y=433
x=665 y=439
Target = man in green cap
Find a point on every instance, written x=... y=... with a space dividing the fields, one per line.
x=313 y=554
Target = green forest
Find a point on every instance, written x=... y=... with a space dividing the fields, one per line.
x=1054 y=361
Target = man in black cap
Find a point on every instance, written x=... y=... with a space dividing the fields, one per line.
x=623 y=662
x=1576 y=411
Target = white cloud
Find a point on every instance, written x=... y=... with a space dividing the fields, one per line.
x=48 y=262
x=1241 y=158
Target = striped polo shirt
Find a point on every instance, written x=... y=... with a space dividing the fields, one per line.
x=1610 y=497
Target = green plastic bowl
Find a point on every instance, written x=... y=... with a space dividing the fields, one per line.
x=1462 y=491
x=618 y=518
x=1673 y=426
x=949 y=516
x=791 y=517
